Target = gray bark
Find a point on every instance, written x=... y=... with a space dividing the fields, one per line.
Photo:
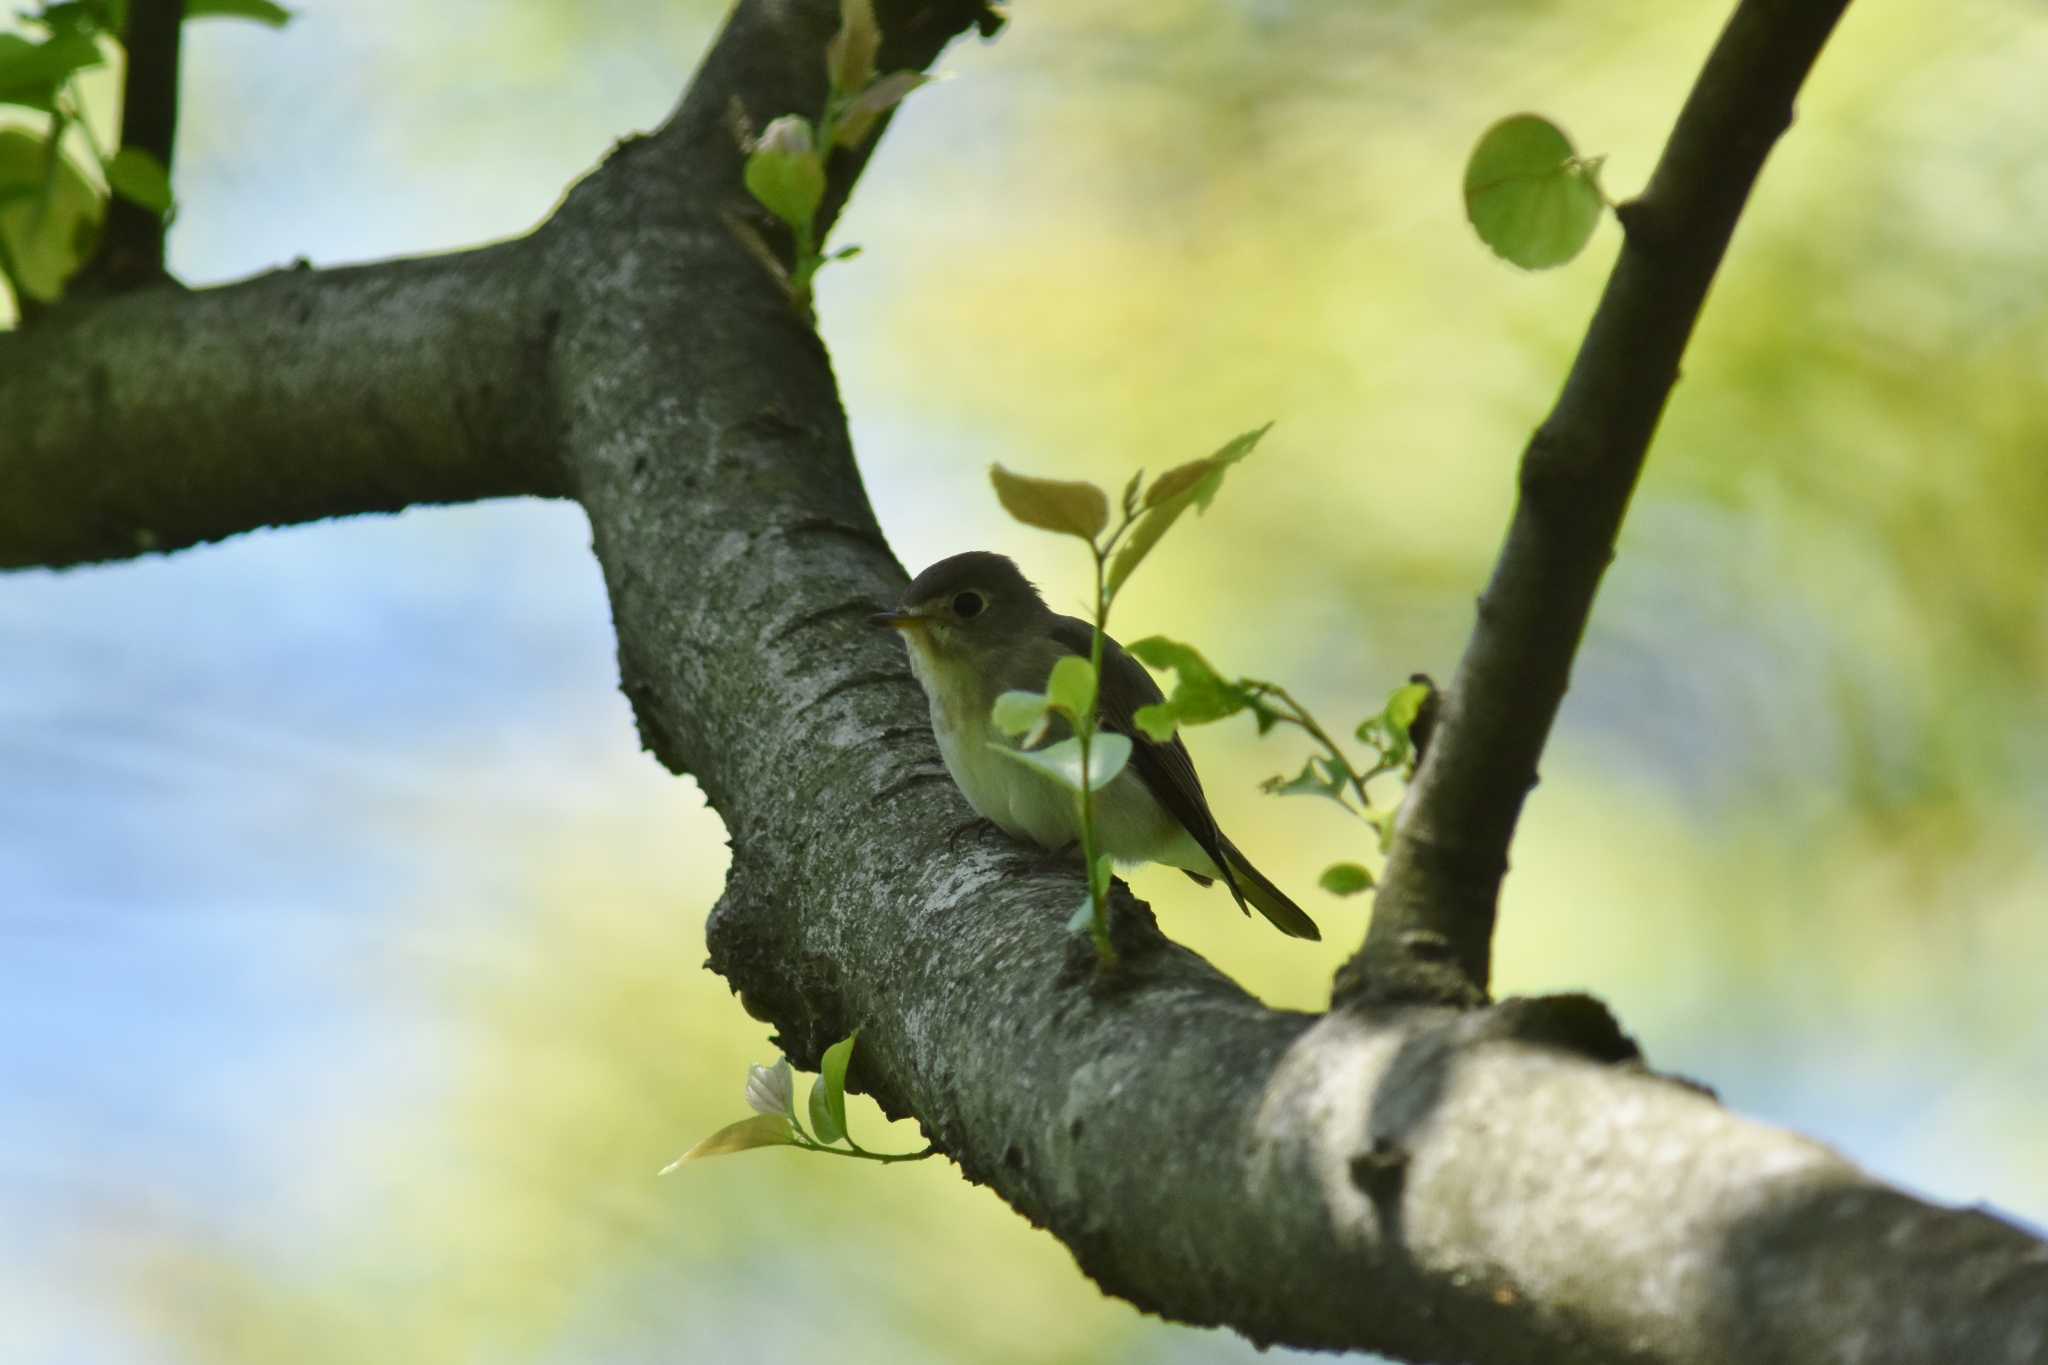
x=1502 y=1185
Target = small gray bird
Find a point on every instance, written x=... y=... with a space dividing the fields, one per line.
x=976 y=628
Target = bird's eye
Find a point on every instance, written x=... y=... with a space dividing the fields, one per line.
x=968 y=605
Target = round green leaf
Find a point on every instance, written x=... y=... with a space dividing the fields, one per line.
x=1529 y=195
x=1072 y=686
x=1019 y=713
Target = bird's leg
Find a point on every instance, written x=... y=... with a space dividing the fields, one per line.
x=978 y=824
x=1065 y=858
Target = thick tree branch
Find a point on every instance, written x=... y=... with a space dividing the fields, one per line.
x=157 y=419
x=1433 y=919
x=1504 y=1185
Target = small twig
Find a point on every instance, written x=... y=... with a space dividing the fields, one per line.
x=132 y=247
x=1450 y=853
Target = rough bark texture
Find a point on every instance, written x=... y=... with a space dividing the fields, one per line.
x=157 y=419
x=1499 y=1185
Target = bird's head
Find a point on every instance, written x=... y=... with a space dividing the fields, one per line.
x=969 y=609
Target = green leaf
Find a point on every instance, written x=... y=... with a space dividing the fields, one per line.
x=850 y=56
x=785 y=173
x=1191 y=485
x=262 y=11
x=832 y=1079
x=1107 y=754
x=1159 y=721
x=72 y=17
x=36 y=97
x=1178 y=480
x=1130 y=501
x=1200 y=694
x=1072 y=687
x=1529 y=195
x=862 y=112
x=137 y=176
x=1019 y=713
x=1389 y=730
x=1318 y=777
x=1068 y=507
x=1345 y=879
x=762 y=1130
x=49 y=214
x=29 y=67
x=826 y=1128
x=1405 y=705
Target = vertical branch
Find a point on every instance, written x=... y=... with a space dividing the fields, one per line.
x=132 y=250
x=1432 y=925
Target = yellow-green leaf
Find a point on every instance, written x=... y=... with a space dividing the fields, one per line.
x=1018 y=713
x=1192 y=484
x=862 y=112
x=1178 y=480
x=850 y=56
x=1529 y=195
x=1069 y=507
x=832 y=1082
x=1072 y=686
x=49 y=215
x=137 y=176
x=1345 y=879
x=785 y=173
x=762 y=1130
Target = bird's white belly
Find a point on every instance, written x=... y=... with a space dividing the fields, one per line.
x=1130 y=824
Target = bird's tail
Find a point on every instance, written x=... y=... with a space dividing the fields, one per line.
x=1251 y=888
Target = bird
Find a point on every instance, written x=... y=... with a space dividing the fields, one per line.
x=975 y=628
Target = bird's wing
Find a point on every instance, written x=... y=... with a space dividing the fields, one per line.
x=1165 y=769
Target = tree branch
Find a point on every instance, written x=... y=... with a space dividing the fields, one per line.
x=1433 y=918
x=131 y=250
x=1503 y=1185
x=157 y=419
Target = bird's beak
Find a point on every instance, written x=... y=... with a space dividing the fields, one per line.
x=897 y=620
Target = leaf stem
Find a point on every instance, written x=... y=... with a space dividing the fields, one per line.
x=1300 y=717
x=1084 y=731
x=885 y=1158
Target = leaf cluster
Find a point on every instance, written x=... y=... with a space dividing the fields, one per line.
x=785 y=166
x=772 y=1096
x=51 y=211
x=1091 y=758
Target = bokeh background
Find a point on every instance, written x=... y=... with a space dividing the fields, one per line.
x=351 y=955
